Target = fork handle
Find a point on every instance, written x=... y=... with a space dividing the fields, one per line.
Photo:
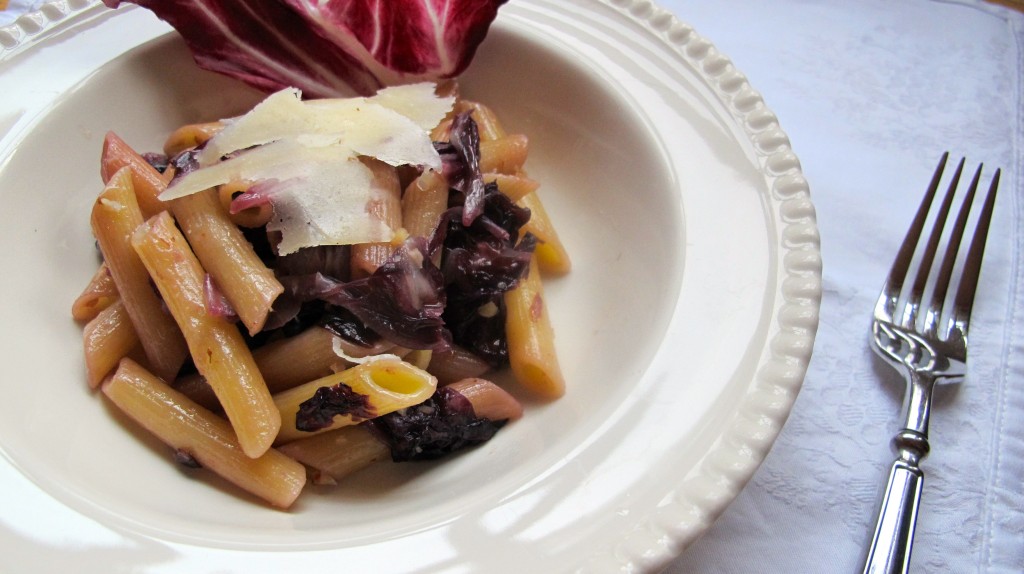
x=894 y=534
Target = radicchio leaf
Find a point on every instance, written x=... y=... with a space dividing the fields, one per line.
x=464 y=174
x=442 y=424
x=481 y=262
x=329 y=48
x=318 y=411
x=402 y=300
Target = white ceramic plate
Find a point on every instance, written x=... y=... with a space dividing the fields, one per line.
x=684 y=330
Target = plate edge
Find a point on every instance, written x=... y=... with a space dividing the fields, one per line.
x=39 y=24
x=693 y=504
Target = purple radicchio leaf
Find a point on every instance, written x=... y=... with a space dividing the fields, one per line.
x=329 y=48
x=318 y=411
x=442 y=424
x=217 y=304
x=480 y=263
x=402 y=300
x=464 y=173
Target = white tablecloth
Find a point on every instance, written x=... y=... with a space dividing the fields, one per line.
x=871 y=93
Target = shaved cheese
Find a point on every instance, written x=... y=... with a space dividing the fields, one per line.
x=280 y=160
x=418 y=102
x=330 y=207
x=305 y=156
x=392 y=126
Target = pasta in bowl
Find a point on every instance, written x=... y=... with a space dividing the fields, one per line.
x=667 y=329
x=292 y=266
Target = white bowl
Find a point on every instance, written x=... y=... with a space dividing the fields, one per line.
x=684 y=329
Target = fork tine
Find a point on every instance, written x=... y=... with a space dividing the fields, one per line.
x=887 y=301
x=942 y=280
x=972 y=266
x=931 y=247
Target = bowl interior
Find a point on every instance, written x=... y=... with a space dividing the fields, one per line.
x=604 y=181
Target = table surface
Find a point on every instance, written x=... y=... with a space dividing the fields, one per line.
x=870 y=94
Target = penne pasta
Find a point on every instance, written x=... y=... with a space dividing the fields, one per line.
x=488 y=399
x=367 y=257
x=195 y=387
x=107 y=339
x=487 y=123
x=198 y=435
x=217 y=348
x=365 y=391
x=423 y=202
x=100 y=293
x=531 y=340
x=146 y=181
x=316 y=347
x=189 y=136
x=456 y=363
x=514 y=186
x=506 y=155
x=276 y=361
x=335 y=454
x=550 y=253
x=115 y=217
x=237 y=270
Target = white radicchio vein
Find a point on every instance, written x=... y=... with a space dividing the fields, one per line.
x=352 y=46
x=256 y=54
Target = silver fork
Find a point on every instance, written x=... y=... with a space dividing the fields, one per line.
x=920 y=328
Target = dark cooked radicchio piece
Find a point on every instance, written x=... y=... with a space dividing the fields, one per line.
x=186 y=459
x=442 y=424
x=481 y=262
x=158 y=161
x=318 y=411
x=460 y=159
x=402 y=300
x=345 y=324
x=185 y=163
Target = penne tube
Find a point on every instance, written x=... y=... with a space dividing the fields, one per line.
x=365 y=391
x=115 y=217
x=488 y=399
x=337 y=453
x=217 y=348
x=387 y=207
x=189 y=136
x=100 y=293
x=550 y=253
x=146 y=180
x=487 y=123
x=236 y=269
x=230 y=259
x=195 y=387
x=251 y=217
x=506 y=155
x=198 y=435
x=456 y=363
x=531 y=340
x=423 y=202
x=442 y=132
x=514 y=186
x=277 y=360
x=317 y=348
x=107 y=339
